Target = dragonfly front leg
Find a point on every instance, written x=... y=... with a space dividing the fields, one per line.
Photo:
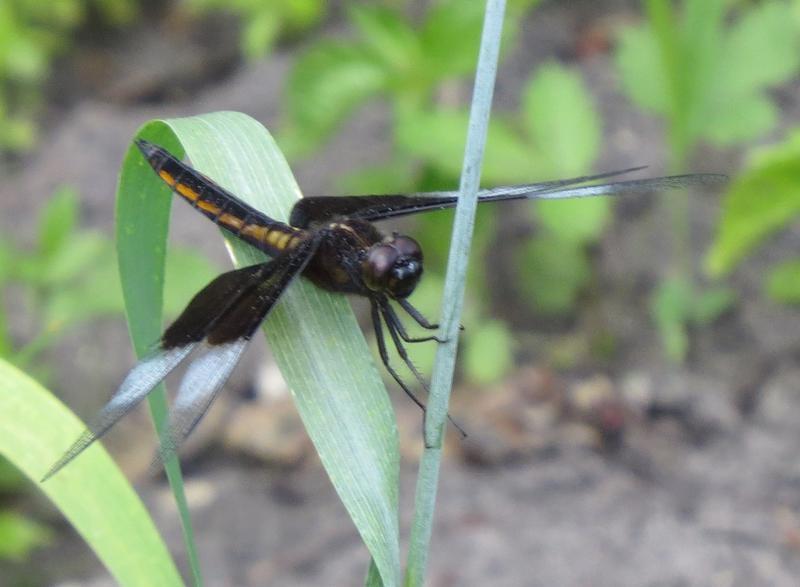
x=419 y=318
x=377 y=325
x=401 y=350
x=391 y=317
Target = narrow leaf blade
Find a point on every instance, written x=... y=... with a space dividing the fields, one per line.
x=92 y=493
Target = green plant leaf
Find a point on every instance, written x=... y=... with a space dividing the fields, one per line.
x=642 y=70
x=710 y=304
x=260 y=32
x=91 y=493
x=77 y=255
x=761 y=50
x=313 y=335
x=580 y=221
x=561 y=120
x=488 y=354
x=437 y=137
x=783 y=283
x=552 y=273
x=450 y=37
x=386 y=37
x=20 y=535
x=671 y=307
x=327 y=83
x=57 y=220
x=710 y=81
x=761 y=201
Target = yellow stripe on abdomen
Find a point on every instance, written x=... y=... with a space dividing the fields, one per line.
x=188 y=193
x=167 y=177
x=274 y=237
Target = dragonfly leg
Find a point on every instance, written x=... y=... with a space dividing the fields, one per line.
x=416 y=315
x=376 y=323
x=419 y=318
x=391 y=316
x=401 y=350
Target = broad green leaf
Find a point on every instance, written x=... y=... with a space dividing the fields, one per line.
x=450 y=37
x=783 y=283
x=386 y=36
x=561 y=120
x=552 y=274
x=488 y=354
x=761 y=49
x=92 y=493
x=327 y=83
x=708 y=79
x=761 y=201
x=642 y=70
x=740 y=118
x=313 y=334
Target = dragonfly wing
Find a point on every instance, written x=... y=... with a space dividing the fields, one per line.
x=225 y=342
x=205 y=314
x=200 y=386
x=308 y=211
x=139 y=381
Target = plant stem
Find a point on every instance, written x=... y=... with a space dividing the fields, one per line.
x=453 y=297
x=158 y=410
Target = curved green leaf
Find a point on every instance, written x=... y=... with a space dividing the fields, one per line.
x=313 y=335
x=92 y=493
x=760 y=202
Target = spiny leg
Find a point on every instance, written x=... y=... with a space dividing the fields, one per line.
x=401 y=350
x=376 y=323
x=416 y=314
x=391 y=317
x=418 y=317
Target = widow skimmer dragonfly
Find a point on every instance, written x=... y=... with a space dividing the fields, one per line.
x=330 y=240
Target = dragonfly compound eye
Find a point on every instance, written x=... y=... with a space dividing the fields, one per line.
x=394 y=266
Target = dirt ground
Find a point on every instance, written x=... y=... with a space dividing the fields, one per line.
x=696 y=481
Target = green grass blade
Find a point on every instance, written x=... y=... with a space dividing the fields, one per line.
x=453 y=296
x=313 y=335
x=92 y=493
x=141 y=224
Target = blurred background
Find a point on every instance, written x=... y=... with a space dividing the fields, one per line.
x=629 y=370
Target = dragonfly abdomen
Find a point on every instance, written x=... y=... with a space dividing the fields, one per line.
x=221 y=207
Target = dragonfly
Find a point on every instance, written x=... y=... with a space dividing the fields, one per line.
x=331 y=241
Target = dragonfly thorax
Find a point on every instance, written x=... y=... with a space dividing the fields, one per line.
x=394 y=266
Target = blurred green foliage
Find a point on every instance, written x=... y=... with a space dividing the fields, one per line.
x=707 y=73
x=265 y=21
x=391 y=57
x=706 y=68
x=70 y=277
x=19 y=535
x=32 y=34
x=763 y=200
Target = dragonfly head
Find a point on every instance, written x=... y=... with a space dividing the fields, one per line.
x=394 y=266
